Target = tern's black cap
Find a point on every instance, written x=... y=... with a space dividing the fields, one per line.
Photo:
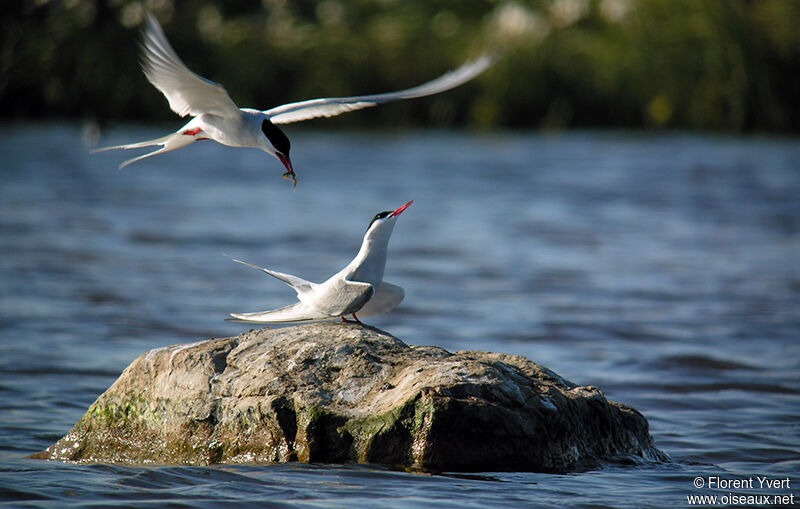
x=276 y=137
x=379 y=215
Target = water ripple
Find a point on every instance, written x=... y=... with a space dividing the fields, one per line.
x=660 y=268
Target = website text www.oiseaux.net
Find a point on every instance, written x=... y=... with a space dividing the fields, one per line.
x=730 y=498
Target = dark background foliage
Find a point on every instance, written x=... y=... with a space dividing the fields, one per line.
x=731 y=65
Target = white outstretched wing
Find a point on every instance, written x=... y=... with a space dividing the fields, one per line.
x=332 y=106
x=338 y=300
x=387 y=297
x=295 y=313
x=187 y=93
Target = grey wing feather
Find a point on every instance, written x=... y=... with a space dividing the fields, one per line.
x=187 y=93
x=341 y=298
x=298 y=283
x=295 y=313
x=387 y=297
x=332 y=106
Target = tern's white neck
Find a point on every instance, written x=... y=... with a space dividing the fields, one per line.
x=369 y=263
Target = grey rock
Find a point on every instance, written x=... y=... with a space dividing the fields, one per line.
x=338 y=393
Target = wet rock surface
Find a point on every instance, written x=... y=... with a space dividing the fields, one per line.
x=338 y=393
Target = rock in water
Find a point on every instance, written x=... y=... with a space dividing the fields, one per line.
x=336 y=393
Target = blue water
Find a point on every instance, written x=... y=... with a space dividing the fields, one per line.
x=663 y=268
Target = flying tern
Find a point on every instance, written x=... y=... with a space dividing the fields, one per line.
x=357 y=288
x=216 y=117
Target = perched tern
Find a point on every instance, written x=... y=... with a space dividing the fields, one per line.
x=357 y=288
x=217 y=118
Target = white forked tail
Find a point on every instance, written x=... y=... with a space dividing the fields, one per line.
x=168 y=143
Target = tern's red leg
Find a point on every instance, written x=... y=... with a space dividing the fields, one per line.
x=192 y=132
x=354 y=320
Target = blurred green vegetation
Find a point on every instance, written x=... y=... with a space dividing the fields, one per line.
x=729 y=65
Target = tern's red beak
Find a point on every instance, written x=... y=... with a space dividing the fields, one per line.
x=289 y=170
x=401 y=209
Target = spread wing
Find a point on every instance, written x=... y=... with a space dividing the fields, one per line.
x=335 y=301
x=387 y=297
x=332 y=106
x=339 y=297
x=187 y=93
x=295 y=313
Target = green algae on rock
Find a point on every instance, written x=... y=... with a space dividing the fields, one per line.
x=338 y=393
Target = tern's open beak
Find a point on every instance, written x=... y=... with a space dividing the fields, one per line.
x=290 y=174
x=401 y=209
